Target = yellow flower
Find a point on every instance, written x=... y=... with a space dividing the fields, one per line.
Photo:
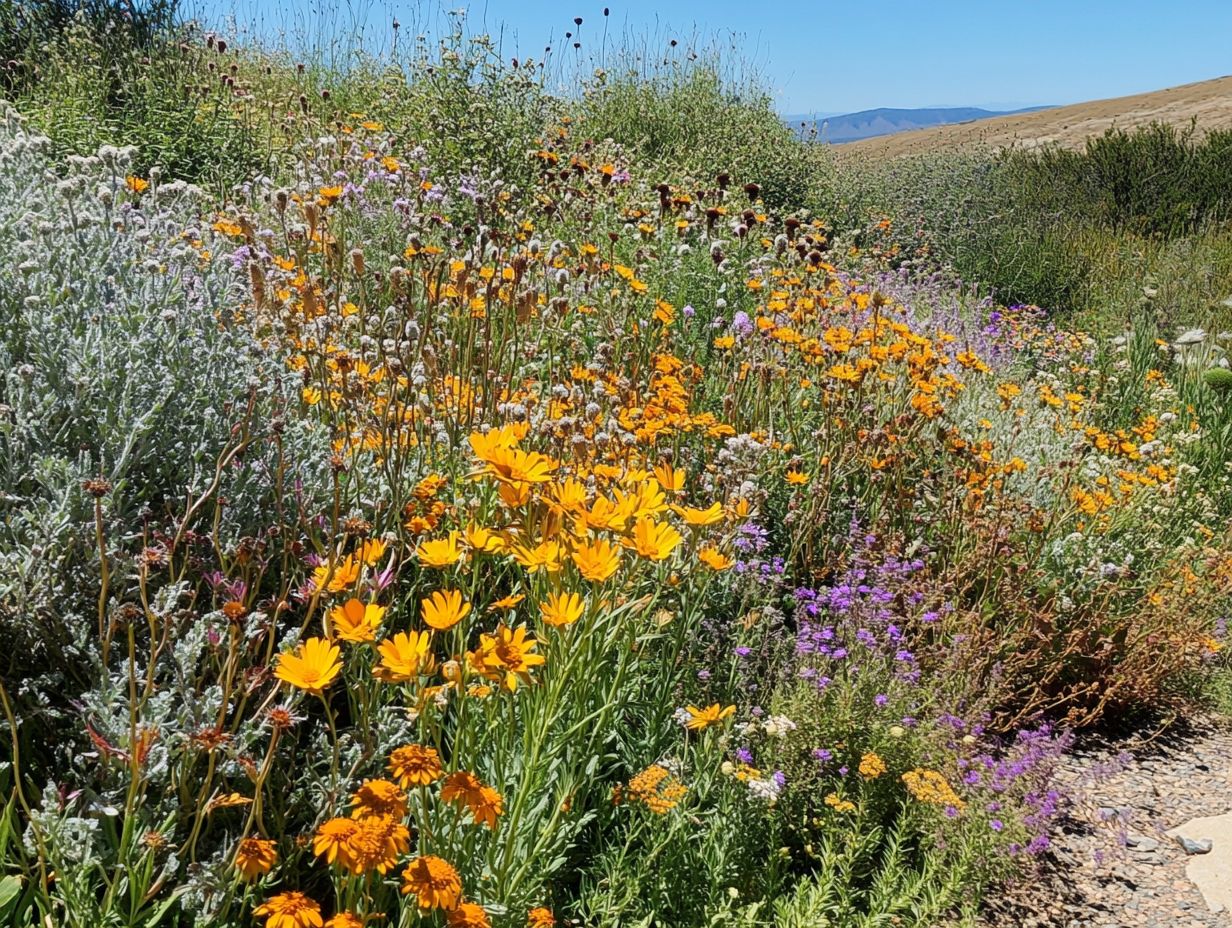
x=345 y=573
x=544 y=556
x=654 y=540
x=704 y=718
x=700 y=517
x=290 y=910
x=714 y=559
x=562 y=609
x=506 y=655
x=415 y=765
x=507 y=602
x=797 y=478
x=312 y=667
x=468 y=915
x=871 y=766
x=597 y=560
x=371 y=551
x=255 y=856
x=356 y=622
x=136 y=184
x=540 y=917
x=377 y=844
x=441 y=552
x=482 y=539
x=404 y=657
x=512 y=465
x=444 y=609
x=839 y=805
x=344 y=920
x=379 y=797
x=433 y=881
x=931 y=787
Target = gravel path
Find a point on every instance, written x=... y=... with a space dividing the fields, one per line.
x=1112 y=865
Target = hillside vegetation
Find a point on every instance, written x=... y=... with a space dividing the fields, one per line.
x=434 y=499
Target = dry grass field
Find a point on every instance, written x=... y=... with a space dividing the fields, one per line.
x=1207 y=102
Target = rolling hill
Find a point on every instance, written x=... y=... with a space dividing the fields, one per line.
x=1207 y=103
x=851 y=127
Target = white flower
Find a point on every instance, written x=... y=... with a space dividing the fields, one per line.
x=779 y=726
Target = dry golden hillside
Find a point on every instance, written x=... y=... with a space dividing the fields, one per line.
x=1209 y=102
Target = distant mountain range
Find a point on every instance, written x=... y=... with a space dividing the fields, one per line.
x=867 y=124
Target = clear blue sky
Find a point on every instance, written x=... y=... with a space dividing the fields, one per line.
x=820 y=57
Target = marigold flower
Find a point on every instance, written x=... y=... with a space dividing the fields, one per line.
x=443 y=609
x=345 y=920
x=433 y=881
x=312 y=667
x=379 y=797
x=703 y=718
x=596 y=561
x=415 y=765
x=290 y=910
x=376 y=844
x=562 y=608
x=255 y=856
x=404 y=657
x=540 y=917
x=468 y=915
x=356 y=622
x=332 y=840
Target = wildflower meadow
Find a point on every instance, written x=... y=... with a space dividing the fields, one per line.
x=429 y=499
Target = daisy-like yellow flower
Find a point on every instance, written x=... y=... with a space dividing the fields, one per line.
x=415 y=765
x=345 y=573
x=482 y=539
x=433 y=881
x=704 y=718
x=344 y=920
x=700 y=517
x=540 y=917
x=371 y=551
x=562 y=609
x=654 y=540
x=714 y=559
x=440 y=552
x=378 y=797
x=290 y=910
x=507 y=602
x=356 y=622
x=512 y=465
x=312 y=667
x=443 y=609
x=468 y=915
x=506 y=656
x=797 y=478
x=255 y=856
x=544 y=556
x=404 y=657
x=136 y=184
x=597 y=560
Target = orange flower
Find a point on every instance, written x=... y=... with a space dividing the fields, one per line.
x=704 y=718
x=796 y=477
x=433 y=881
x=290 y=910
x=713 y=559
x=255 y=856
x=379 y=797
x=404 y=657
x=544 y=556
x=333 y=839
x=415 y=765
x=562 y=609
x=344 y=920
x=312 y=667
x=506 y=653
x=468 y=915
x=344 y=575
x=444 y=609
x=371 y=551
x=540 y=917
x=377 y=844
x=484 y=803
x=597 y=560
x=356 y=622
x=700 y=517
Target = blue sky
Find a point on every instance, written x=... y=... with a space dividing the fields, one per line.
x=837 y=57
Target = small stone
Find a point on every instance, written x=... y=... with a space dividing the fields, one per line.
x=1195 y=845
x=1142 y=843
